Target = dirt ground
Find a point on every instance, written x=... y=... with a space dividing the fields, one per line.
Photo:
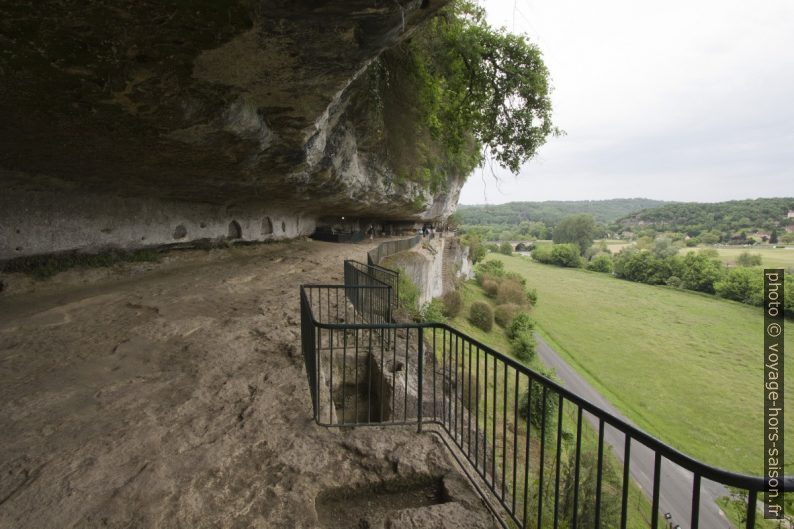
x=174 y=395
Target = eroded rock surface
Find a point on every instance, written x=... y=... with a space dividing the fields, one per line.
x=174 y=395
x=213 y=102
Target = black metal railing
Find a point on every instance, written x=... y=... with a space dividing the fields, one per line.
x=548 y=457
x=384 y=249
x=360 y=274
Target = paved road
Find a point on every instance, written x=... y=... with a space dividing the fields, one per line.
x=676 y=483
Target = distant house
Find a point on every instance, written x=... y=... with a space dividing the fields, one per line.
x=790 y=228
x=791 y=213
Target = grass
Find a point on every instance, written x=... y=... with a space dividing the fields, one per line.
x=639 y=512
x=683 y=366
x=770 y=257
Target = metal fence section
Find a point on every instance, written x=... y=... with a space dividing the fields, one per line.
x=384 y=249
x=360 y=274
x=546 y=456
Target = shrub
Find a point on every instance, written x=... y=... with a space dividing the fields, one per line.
x=748 y=259
x=523 y=345
x=408 y=295
x=506 y=248
x=565 y=255
x=533 y=409
x=742 y=284
x=503 y=314
x=521 y=323
x=515 y=276
x=675 y=282
x=601 y=263
x=700 y=272
x=489 y=270
x=510 y=291
x=542 y=254
x=452 y=303
x=432 y=312
x=477 y=249
x=532 y=296
x=644 y=267
x=481 y=315
x=490 y=287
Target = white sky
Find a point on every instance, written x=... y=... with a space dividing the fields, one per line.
x=674 y=100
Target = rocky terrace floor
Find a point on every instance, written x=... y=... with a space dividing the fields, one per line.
x=174 y=395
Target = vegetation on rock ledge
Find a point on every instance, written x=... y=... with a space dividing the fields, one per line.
x=457 y=92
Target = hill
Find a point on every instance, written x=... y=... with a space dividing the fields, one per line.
x=551 y=212
x=728 y=218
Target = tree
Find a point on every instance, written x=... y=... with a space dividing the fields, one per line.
x=566 y=255
x=492 y=84
x=577 y=229
x=506 y=248
x=531 y=406
x=601 y=263
x=699 y=272
x=773 y=237
x=748 y=259
x=742 y=284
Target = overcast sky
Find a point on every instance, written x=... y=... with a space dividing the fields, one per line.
x=674 y=100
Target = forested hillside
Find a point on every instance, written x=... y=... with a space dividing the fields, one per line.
x=726 y=218
x=552 y=212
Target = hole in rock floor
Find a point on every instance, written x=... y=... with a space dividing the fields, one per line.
x=367 y=508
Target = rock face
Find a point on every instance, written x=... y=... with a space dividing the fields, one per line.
x=259 y=106
x=433 y=266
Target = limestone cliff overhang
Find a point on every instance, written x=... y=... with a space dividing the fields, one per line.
x=215 y=102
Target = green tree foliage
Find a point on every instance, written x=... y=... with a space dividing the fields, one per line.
x=490 y=83
x=611 y=487
x=642 y=266
x=506 y=248
x=481 y=315
x=538 y=216
x=408 y=295
x=532 y=407
x=477 y=250
x=523 y=345
x=601 y=263
x=712 y=221
x=699 y=272
x=492 y=269
x=748 y=259
x=433 y=312
x=742 y=284
x=558 y=254
x=456 y=92
x=578 y=229
x=522 y=323
x=566 y=255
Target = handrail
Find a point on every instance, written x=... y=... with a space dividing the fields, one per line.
x=726 y=477
x=387 y=248
x=331 y=341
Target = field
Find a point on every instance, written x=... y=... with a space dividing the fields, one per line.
x=639 y=510
x=770 y=257
x=685 y=367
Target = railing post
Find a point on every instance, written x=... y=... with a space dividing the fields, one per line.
x=421 y=367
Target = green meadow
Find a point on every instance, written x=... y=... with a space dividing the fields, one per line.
x=686 y=367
